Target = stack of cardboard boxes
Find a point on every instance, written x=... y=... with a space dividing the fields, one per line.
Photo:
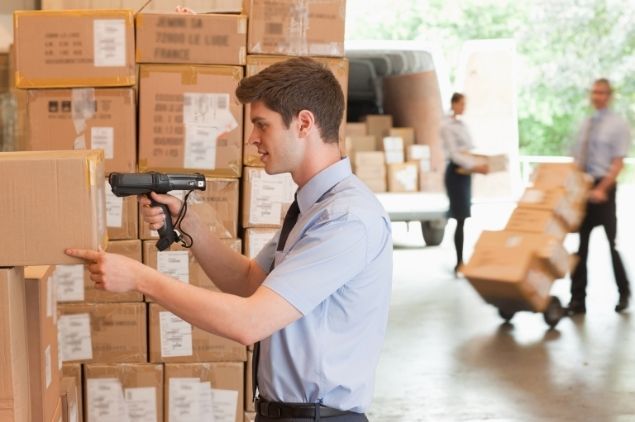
x=515 y=268
x=84 y=79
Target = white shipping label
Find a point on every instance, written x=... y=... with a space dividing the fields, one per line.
x=407 y=178
x=257 y=241
x=142 y=404
x=109 y=37
x=105 y=401
x=267 y=193
x=211 y=110
x=69 y=280
x=174 y=264
x=114 y=208
x=200 y=147
x=206 y=407
x=176 y=335
x=60 y=360
x=184 y=402
x=225 y=405
x=75 y=341
x=103 y=138
x=47 y=366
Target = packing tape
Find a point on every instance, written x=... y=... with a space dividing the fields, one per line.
x=83 y=107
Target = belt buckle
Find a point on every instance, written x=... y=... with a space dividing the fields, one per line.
x=269 y=409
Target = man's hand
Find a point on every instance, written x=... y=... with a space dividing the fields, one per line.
x=154 y=215
x=598 y=196
x=111 y=272
x=481 y=169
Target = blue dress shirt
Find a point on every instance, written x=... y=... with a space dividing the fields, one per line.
x=336 y=270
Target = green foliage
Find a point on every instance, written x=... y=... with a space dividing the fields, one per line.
x=563 y=46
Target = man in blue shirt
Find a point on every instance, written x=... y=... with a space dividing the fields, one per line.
x=316 y=298
x=602 y=144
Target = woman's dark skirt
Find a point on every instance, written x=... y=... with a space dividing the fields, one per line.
x=459 y=189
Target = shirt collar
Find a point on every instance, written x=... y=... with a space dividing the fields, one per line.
x=601 y=113
x=322 y=182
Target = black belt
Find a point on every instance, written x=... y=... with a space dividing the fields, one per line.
x=278 y=410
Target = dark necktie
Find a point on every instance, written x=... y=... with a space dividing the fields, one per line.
x=289 y=221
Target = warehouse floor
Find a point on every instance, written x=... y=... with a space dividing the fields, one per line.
x=447 y=356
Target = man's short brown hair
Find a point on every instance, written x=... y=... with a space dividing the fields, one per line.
x=294 y=85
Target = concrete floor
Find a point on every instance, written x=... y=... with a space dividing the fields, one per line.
x=447 y=357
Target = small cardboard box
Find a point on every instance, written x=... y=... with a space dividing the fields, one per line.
x=103 y=332
x=403 y=177
x=122 y=216
x=44 y=376
x=51 y=201
x=180 y=263
x=266 y=198
x=537 y=221
x=393 y=147
x=135 y=387
x=495 y=162
x=188 y=384
x=190 y=119
x=191 y=39
x=371 y=159
x=405 y=133
x=14 y=364
x=256 y=239
x=356 y=129
x=256 y=64
x=566 y=176
x=173 y=340
x=84 y=118
x=378 y=125
x=74 y=48
x=375 y=184
x=555 y=200
x=314 y=28
x=217 y=207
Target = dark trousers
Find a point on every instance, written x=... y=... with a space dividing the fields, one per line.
x=354 y=417
x=602 y=214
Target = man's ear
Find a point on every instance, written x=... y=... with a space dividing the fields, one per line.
x=306 y=122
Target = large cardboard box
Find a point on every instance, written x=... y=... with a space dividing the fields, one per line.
x=256 y=64
x=74 y=371
x=190 y=119
x=515 y=270
x=103 y=332
x=14 y=382
x=200 y=6
x=217 y=207
x=566 y=176
x=122 y=216
x=191 y=39
x=74 y=283
x=402 y=177
x=44 y=375
x=75 y=48
x=198 y=390
x=537 y=221
x=83 y=118
x=173 y=340
x=51 y=201
x=286 y=27
x=70 y=391
x=255 y=239
x=557 y=201
x=266 y=198
x=124 y=392
x=180 y=263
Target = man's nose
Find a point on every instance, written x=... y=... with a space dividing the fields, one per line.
x=253 y=139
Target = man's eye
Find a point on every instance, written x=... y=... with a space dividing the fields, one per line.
x=261 y=126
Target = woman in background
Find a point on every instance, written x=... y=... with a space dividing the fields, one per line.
x=457 y=143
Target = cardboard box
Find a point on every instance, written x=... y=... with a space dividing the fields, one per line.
x=84 y=118
x=510 y=270
x=256 y=64
x=203 y=388
x=103 y=332
x=256 y=239
x=566 y=176
x=495 y=162
x=190 y=119
x=180 y=263
x=44 y=376
x=250 y=416
x=57 y=415
x=375 y=184
x=14 y=382
x=113 y=388
x=77 y=48
x=394 y=149
x=405 y=133
x=402 y=177
x=53 y=201
x=191 y=39
x=173 y=340
x=355 y=144
x=122 y=216
x=378 y=125
x=249 y=382
x=70 y=391
x=199 y=6
x=314 y=28
x=374 y=159
x=266 y=198
x=217 y=207
x=356 y=129
x=537 y=221
x=4 y=72
x=74 y=371
x=555 y=200
x=419 y=153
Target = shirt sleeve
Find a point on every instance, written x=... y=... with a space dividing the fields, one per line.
x=455 y=153
x=326 y=257
x=623 y=142
x=265 y=257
